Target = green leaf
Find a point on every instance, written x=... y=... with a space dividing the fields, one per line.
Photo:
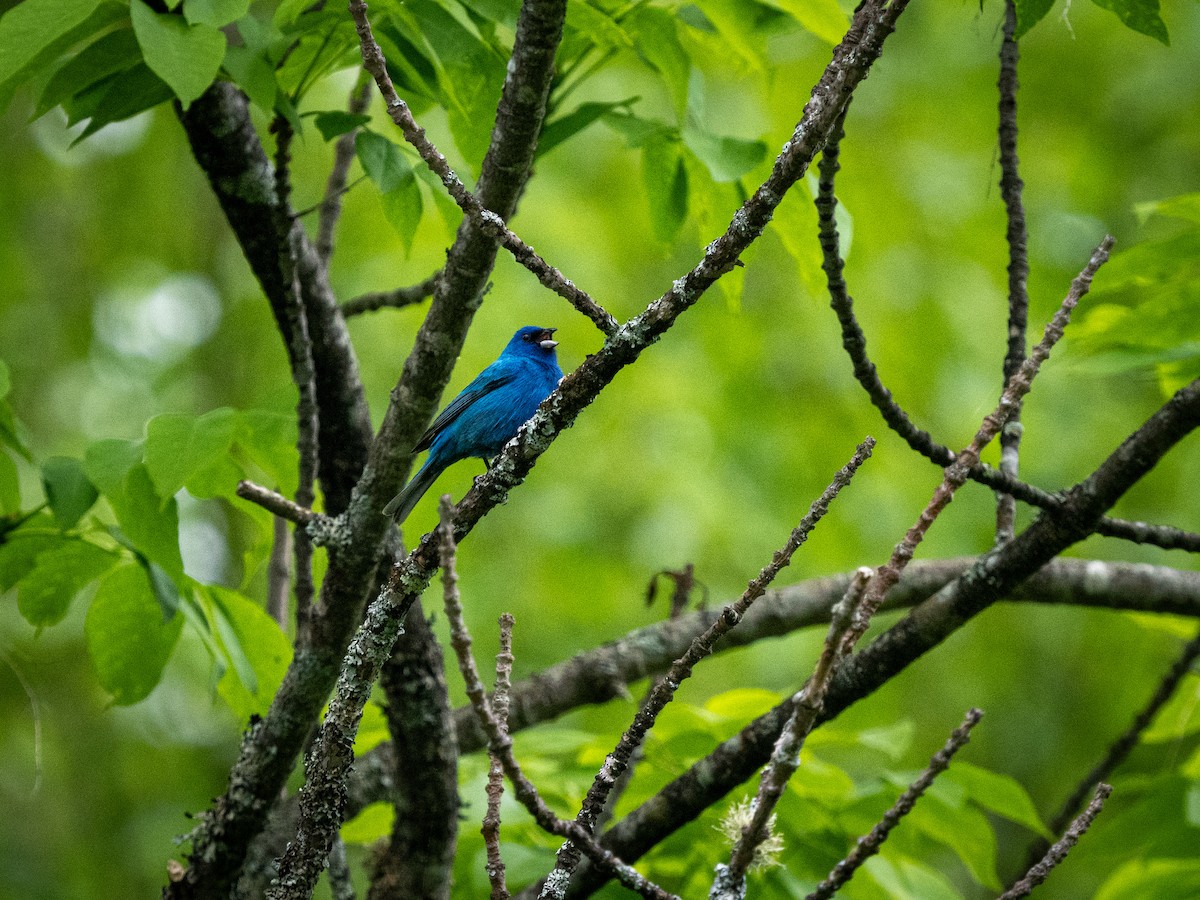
x=1140 y=15
x=1029 y=13
x=1184 y=206
x=126 y=637
x=564 y=127
x=253 y=72
x=600 y=28
x=217 y=13
x=371 y=824
x=334 y=123
x=903 y=878
x=68 y=490
x=149 y=522
x=726 y=158
x=116 y=51
x=117 y=98
x=108 y=461
x=178 y=446
x=657 y=40
x=1000 y=794
x=10 y=485
x=59 y=574
x=665 y=178
x=269 y=439
x=258 y=651
x=20 y=549
x=33 y=26
x=186 y=57
x=386 y=166
x=1153 y=879
x=165 y=591
x=795 y=223
x=822 y=18
x=963 y=829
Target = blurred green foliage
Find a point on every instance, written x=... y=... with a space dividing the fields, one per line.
x=141 y=376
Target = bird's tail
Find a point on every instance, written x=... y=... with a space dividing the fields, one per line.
x=402 y=504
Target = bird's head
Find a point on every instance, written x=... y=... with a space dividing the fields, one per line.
x=533 y=341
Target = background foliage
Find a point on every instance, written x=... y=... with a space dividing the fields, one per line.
x=141 y=360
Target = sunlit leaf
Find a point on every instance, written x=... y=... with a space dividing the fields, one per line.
x=258 y=650
x=114 y=52
x=58 y=575
x=214 y=12
x=179 y=446
x=1140 y=15
x=385 y=164
x=1153 y=879
x=253 y=73
x=31 y=27
x=823 y=18
x=185 y=56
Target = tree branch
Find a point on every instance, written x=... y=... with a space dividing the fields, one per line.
x=396 y=299
x=1059 y=851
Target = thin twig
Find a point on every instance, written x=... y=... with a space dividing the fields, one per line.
x=274 y=502
x=1018 y=261
x=397 y=299
x=495 y=782
x=869 y=844
x=279 y=572
x=855 y=343
x=486 y=220
x=1120 y=749
x=343 y=156
x=1059 y=851
x=500 y=744
x=785 y=758
x=617 y=761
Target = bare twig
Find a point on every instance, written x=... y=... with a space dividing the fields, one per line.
x=785 y=758
x=500 y=744
x=1120 y=749
x=1018 y=261
x=869 y=844
x=662 y=694
x=855 y=343
x=343 y=156
x=1059 y=851
x=495 y=782
x=276 y=503
x=397 y=299
x=486 y=220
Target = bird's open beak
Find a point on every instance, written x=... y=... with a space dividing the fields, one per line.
x=548 y=342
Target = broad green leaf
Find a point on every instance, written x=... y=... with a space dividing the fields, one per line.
x=823 y=18
x=187 y=57
x=253 y=73
x=385 y=164
x=742 y=703
x=1140 y=15
x=410 y=68
x=905 y=879
x=374 y=822
x=665 y=178
x=19 y=549
x=564 y=127
x=334 y=123
x=1184 y=206
x=31 y=27
x=117 y=98
x=126 y=637
x=178 y=446
x=10 y=485
x=1000 y=794
x=58 y=575
x=735 y=22
x=258 y=651
x=656 y=39
x=217 y=13
x=116 y=51
x=107 y=462
x=726 y=158
x=165 y=591
x=1153 y=879
x=963 y=829
x=68 y=490
x=150 y=522
x=795 y=223
x=600 y=28
x=372 y=730
x=269 y=439
x=1029 y=13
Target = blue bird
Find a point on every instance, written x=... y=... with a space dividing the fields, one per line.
x=487 y=414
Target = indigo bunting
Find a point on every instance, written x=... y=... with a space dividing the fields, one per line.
x=487 y=414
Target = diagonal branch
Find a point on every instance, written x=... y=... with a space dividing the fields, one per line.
x=1059 y=851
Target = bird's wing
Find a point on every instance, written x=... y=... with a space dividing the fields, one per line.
x=480 y=387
